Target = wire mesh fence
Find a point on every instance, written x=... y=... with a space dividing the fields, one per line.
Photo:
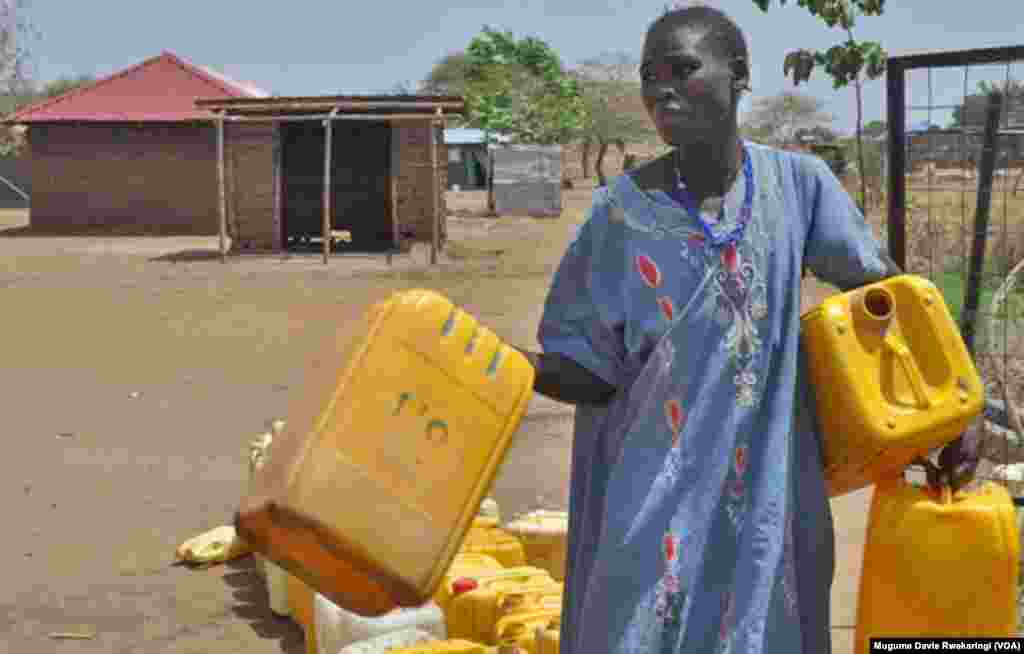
x=953 y=211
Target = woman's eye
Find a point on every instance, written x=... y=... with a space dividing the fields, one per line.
x=668 y=71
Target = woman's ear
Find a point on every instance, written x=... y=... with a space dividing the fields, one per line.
x=740 y=74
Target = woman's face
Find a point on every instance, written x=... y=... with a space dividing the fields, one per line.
x=687 y=85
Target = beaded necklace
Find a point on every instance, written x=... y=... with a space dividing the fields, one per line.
x=690 y=204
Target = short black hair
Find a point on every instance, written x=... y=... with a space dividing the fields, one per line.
x=725 y=33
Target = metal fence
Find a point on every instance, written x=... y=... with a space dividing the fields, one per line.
x=955 y=200
x=527 y=179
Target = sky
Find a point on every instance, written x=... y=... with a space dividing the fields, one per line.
x=320 y=47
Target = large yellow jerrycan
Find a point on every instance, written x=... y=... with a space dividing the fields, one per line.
x=387 y=453
x=891 y=376
x=938 y=565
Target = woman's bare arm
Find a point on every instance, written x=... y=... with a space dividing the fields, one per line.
x=562 y=379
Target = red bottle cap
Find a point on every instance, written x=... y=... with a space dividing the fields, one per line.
x=464 y=585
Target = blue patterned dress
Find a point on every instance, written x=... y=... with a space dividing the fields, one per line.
x=699 y=521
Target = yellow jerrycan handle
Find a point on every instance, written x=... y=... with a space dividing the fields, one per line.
x=913 y=373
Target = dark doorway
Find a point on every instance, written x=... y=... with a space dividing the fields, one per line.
x=360 y=182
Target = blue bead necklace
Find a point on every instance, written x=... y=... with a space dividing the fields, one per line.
x=690 y=204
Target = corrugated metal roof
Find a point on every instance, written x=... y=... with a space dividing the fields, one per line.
x=160 y=89
x=470 y=136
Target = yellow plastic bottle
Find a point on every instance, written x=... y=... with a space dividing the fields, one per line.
x=938 y=565
x=470 y=580
x=892 y=379
x=407 y=431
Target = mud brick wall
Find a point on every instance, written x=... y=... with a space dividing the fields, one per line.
x=249 y=161
x=414 y=197
x=126 y=179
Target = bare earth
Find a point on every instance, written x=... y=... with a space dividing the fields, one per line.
x=136 y=370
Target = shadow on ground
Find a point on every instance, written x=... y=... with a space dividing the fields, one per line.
x=251 y=605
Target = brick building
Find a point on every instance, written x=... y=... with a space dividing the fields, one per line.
x=138 y=152
x=128 y=153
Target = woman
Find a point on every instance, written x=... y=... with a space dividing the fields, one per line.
x=699 y=516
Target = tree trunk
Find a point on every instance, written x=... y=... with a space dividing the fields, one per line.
x=601 y=150
x=585 y=156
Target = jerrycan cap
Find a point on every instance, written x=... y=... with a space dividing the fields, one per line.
x=464 y=585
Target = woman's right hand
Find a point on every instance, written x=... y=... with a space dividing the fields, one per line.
x=560 y=378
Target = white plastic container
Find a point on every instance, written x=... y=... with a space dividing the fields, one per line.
x=387 y=642
x=337 y=628
x=276 y=578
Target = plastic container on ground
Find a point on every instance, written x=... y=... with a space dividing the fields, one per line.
x=414 y=420
x=464 y=564
x=301 y=608
x=389 y=642
x=473 y=615
x=936 y=565
x=275 y=578
x=892 y=379
x=486 y=537
x=519 y=629
x=450 y=646
x=544 y=537
x=337 y=628
x=456 y=583
x=548 y=637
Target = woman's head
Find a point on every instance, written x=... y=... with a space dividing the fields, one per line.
x=694 y=67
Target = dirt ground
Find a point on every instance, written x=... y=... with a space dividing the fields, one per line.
x=134 y=373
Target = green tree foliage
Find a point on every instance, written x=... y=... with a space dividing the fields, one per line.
x=447 y=76
x=780 y=117
x=610 y=84
x=518 y=86
x=846 y=63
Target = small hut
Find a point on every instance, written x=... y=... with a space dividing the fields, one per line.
x=333 y=173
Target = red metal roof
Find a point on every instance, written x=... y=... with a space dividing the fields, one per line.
x=160 y=89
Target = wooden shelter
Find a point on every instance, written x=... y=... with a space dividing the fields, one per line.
x=300 y=172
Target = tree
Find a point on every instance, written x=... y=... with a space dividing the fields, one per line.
x=876 y=128
x=16 y=34
x=66 y=83
x=518 y=86
x=845 y=63
x=448 y=75
x=781 y=116
x=816 y=134
x=614 y=111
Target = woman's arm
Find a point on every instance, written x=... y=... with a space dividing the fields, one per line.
x=562 y=379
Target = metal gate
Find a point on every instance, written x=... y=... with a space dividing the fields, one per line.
x=955 y=201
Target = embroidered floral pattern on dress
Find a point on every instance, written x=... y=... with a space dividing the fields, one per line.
x=676 y=417
x=726 y=633
x=736 y=489
x=669 y=605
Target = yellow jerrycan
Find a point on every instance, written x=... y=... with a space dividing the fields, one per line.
x=450 y=646
x=519 y=629
x=544 y=535
x=467 y=581
x=548 y=637
x=486 y=537
x=938 y=564
x=891 y=376
x=474 y=614
x=407 y=431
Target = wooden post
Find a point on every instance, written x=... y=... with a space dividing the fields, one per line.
x=327 y=183
x=393 y=163
x=221 y=192
x=436 y=181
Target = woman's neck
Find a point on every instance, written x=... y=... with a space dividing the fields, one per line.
x=709 y=169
